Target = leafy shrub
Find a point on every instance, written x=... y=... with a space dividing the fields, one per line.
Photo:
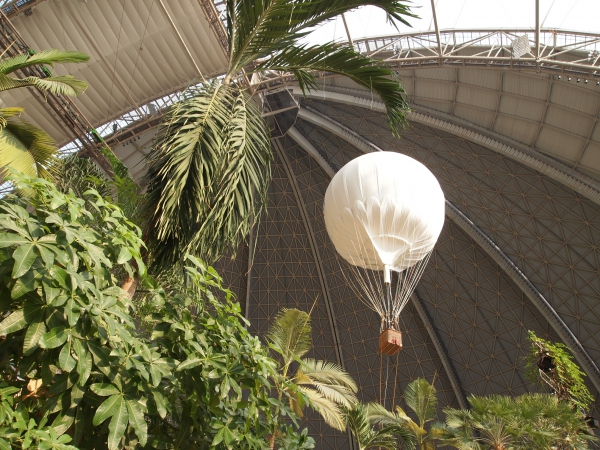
x=77 y=371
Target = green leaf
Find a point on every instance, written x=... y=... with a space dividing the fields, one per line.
x=137 y=420
x=108 y=408
x=161 y=403
x=124 y=255
x=55 y=337
x=15 y=322
x=104 y=389
x=118 y=425
x=8 y=239
x=189 y=364
x=36 y=330
x=24 y=257
x=65 y=361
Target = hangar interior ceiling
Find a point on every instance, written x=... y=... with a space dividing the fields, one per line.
x=515 y=148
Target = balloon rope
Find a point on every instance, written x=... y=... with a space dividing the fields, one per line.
x=395 y=380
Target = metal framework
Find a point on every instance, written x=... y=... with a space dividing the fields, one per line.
x=560 y=51
x=63 y=109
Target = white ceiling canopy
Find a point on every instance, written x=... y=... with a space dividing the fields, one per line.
x=580 y=15
x=139 y=50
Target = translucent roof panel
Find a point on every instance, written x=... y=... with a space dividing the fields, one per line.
x=579 y=15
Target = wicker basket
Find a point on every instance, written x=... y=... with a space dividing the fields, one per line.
x=390 y=342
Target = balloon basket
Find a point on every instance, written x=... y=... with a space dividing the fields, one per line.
x=390 y=342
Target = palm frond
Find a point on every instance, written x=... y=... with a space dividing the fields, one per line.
x=329 y=373
x=368 y=437
x=290 y=334
x=66 y=85
x=420 y=396
x=208 y=173
x=28 y=149
x=80 y=175
x=260 y=27
x=302 y=60
x=7 y=113
x=330 y=380
x=48 y=57
x=331 y=413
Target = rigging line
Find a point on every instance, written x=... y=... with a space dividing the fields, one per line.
x=116 y=60
x=380 y=377
x=547 y=14
x=568 y=14
x=387 y=379
x=395 y=382
x=135 y=65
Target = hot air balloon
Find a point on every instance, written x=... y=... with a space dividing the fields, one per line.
x=384 y=212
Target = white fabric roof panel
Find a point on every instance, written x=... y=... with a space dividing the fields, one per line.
x=139 y=50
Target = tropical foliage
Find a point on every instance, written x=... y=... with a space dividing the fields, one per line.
x=527 y=422
x=23 y=146
x=420 y=397
x=367 y=434
x=326 y=386
x=210 y=168
x=77 y=371
x=552 y=364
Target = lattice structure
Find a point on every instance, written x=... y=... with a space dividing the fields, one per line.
x=553 y=50
x=478 y=313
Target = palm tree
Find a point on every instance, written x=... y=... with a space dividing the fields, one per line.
x=366 y=435
x=420 y=396
x=61 y=85
x=210 y=168
x=326 y=385
x=23 y=146
x=530 y=421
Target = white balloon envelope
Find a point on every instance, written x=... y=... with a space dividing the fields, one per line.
x=384 y=211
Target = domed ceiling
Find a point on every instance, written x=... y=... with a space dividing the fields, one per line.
x=520 y=249
x=514 y=145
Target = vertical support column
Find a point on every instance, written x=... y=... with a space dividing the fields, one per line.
x=537 y=29
x=437 y=31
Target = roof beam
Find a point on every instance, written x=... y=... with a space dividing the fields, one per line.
x=520 y=279
x=367 y=147
x=63 y=109
x=347 y=30
x=437 y=31
x=179 y=37
x=279 y=150
x=441 y=350
x=536 y=297
x=537 y=29
x=528 y=157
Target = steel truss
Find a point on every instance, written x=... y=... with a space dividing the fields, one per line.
x=560 y=51
x=64 y=111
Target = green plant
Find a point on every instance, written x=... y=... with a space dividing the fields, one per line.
x=81 y=175
x=420 y=396
x=23 y=146
x=76 y=371
x=210 y=168
x=61 y=85
x=326 y=385
x=552 y=364
x=527 y=422
x=367 y=434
